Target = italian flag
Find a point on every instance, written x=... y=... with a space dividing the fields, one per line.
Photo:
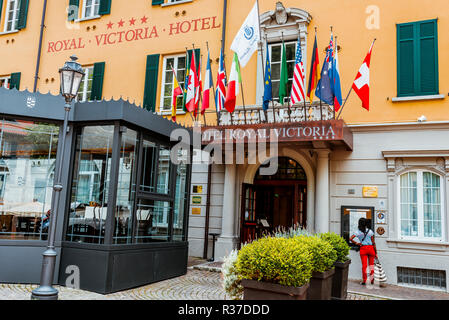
x=177 y=91
x=233 y=86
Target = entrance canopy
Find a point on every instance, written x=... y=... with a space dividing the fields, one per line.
x=334 y=133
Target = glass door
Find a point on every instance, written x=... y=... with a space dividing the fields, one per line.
x=248 y=218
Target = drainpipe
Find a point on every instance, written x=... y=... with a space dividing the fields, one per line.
x=36 y=76
x=206 y=226
x=223 y=31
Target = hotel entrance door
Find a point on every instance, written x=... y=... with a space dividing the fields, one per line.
x=273 y=202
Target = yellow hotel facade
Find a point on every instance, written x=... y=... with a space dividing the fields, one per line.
x=389 y=164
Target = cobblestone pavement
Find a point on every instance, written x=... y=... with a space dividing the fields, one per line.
x=195 y=285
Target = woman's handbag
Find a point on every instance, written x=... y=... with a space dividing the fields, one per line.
x=379 y=274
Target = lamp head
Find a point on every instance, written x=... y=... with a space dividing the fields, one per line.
x=71 y=75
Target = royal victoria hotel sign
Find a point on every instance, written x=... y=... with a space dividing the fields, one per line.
x=333 y=131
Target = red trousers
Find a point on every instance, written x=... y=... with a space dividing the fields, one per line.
x=367 y=255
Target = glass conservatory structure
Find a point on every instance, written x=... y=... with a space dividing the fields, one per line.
x=122 y=218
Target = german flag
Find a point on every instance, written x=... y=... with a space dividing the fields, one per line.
x=314 y=76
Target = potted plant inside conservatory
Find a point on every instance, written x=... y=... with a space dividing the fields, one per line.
x=274 y=269
x=340 y=279
x=323 y=259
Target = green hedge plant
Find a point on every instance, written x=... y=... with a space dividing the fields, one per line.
x=339 y=244
x=276 y=260
x=323 y=253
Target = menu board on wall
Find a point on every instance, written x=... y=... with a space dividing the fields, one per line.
x=350 y=216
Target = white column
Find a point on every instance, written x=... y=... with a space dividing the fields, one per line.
x=322 y=192
x=228 y=240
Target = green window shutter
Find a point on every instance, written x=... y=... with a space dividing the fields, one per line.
x=15 y=81
x=417 y=46
x=97 y=81
x=406 y=59
x=1 y=5
x=150 y=93
x=105 y=7
x=23 y=13
x=428 y=57
x=157 y=2
x=73 y=10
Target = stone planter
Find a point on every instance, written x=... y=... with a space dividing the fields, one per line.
x=258 y=290
x=340 y=280
x=321 y=285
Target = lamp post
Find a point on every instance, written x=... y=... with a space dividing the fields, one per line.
x=71 y=76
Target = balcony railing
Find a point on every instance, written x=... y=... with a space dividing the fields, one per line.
x=278 y=114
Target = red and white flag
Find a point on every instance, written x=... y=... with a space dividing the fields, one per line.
x=298 y=85
x=361 y=82
x=192 y=87
x=235 y=79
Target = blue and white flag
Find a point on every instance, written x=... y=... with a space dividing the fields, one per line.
x=246 y=41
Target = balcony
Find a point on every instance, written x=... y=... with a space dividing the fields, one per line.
x=278 y=114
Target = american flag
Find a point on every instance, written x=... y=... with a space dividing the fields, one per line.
x=220 y=95
x=298 y=85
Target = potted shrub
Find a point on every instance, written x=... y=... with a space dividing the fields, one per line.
x=323 y=259
x=274 y=269
x=340 y=279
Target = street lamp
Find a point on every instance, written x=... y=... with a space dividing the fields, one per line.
x=71 y=76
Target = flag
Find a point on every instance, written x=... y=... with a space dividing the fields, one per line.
x=235 y=79
x=192 y=86
x=199 y=89
x=177 y=91
x=324 y=86
x=283 y=83
x=220 y=94
x=186 y=82
x=208 y=84
x=338 y=100
x=268 y=90
x=246 y=41
x=314 y=76
x=298 y=86
x=361 y=82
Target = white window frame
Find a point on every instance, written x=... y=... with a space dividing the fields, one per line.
x=88 y=70
x=15 y=17
x=163 y=110
x=7 y=83
x=290 y=79
x=420 y=205
x=95 y=7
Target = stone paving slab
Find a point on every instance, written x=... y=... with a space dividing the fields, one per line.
x=195 y=285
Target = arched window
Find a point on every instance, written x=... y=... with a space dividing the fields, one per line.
x=288 y=169
x=421 y=206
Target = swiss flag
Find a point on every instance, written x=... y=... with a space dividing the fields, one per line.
x=361 y=82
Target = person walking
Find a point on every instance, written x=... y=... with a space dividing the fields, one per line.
x=368 y=251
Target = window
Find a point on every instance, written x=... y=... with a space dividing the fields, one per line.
x=421 y=205
x=27 y=164
x=90 y=187
x=181 y=196
x=424 y=278
x=12 y=15
x=4 y=82
x=91 y=8
x=276 y=60
x=85 y=91
x=417 y=58
x=179 y=65
x=126 y=187
x=155 y=168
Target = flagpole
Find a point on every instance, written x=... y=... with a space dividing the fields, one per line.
x=212 y=80
x=350 y=90
x=195 y=111
x=241 y=87
x=261 y=55
x=186 y=85
x=335 y=52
